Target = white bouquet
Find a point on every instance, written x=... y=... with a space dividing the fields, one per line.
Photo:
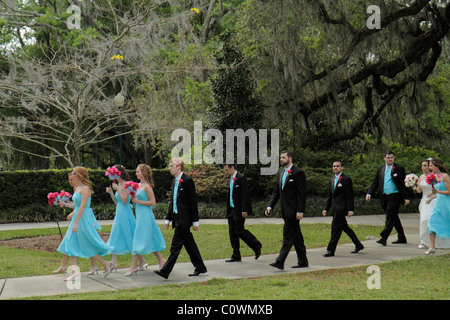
x=411 y=180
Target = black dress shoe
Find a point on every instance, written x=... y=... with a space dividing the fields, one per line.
x=159 y=273
x=257 y=253
x=277 y=265
x=400 y=241
x=233 y=260
x=382 y=241
x=303 y=265
x=196 y=273
x=329 y=254
x=358 y=249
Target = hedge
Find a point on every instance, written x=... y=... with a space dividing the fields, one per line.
x=23 y=194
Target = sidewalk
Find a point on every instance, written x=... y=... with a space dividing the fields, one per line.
x=248 y=268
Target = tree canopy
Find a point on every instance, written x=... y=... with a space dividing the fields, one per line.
x=80 y=80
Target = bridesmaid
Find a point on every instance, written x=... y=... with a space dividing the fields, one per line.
x=147 y=236
x=122 y=231
x=439 y=224
x=82 y=239
x=65 y=259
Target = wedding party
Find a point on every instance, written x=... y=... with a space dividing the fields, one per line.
x=138 y=233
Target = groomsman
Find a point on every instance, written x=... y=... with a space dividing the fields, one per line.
x=183 y=212
x=239 y=208
x=340 y=198
x=389 y=180
x=290 y=189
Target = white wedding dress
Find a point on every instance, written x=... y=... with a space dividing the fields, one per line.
x=425 y=214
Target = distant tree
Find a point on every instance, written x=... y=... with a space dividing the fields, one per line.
x=330 y=75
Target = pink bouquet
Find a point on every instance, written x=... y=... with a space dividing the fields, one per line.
x=131 y=186
x=431 y=178
x=54 y=198
x=112 y=173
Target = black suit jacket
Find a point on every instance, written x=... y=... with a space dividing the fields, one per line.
x=293 y=196
x=341 y=197
x=241 y=197
x=186 y=203
x=398 y=175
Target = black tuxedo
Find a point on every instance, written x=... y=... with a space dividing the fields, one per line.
x=182 y=221
x=293 y=200
x=241 y=202
x=340 y=199
x=391 y=203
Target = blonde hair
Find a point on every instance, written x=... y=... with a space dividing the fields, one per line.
x=83 y=174
x=147 y=173
x=178 y=161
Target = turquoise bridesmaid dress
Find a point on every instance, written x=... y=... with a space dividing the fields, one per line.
x=147 y=236
x=86 y=242
x=439 y=222
x=121 y=238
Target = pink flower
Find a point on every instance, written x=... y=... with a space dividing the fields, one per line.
x=289 y=171
x=234 y=178
x=180 y=181
x=112 y=173
x=340 y=178
x=431 y=178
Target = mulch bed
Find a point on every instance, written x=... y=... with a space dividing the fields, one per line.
x=47 y=243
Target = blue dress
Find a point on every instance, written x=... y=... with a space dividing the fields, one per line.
x=439 y=222
x=122 y=231
x=86 y=242
x=147 y=236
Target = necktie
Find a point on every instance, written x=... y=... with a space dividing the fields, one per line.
x=336 y=181
x=231 y=193
x=284 y=178
x=175 y=192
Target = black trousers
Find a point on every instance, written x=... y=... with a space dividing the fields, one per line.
x=183 y=237
x=391 y=205
x=292 y=236
x=338 y=225
x=237 y=231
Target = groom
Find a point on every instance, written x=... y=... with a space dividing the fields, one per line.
x=389 y=180
x=290 y=189
x=183 y=211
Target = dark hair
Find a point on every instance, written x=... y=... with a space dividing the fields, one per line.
x=123 y=172
x=290 y=154
x=440 y=164
x=230 y=165
x=339 y=162
x=388 y=152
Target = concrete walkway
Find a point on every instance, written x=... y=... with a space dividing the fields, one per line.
x=249 y=267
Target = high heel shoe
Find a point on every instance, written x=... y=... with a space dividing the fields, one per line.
x=430 y=251
x=131 y=272
x=61 y=269
x=92 y=271
x=107 y=270
x=142 y=266
x=114 y=267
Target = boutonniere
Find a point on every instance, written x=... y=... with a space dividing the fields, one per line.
x=180 y=181
x=393 y=168
x=234 y=179
x=289 y=172
x=340 y=178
